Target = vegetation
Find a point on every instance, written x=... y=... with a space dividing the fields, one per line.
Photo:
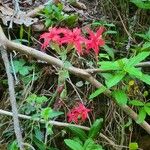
x=75 y=75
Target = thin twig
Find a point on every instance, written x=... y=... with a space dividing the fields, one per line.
x=12 y=98
x=56 y=123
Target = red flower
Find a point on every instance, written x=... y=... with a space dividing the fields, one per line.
x=80 y=112
x=74 y=37
x=52 y=35
x=95 y=40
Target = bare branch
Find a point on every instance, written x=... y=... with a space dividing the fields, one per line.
x=12 y=98
x=56 y=123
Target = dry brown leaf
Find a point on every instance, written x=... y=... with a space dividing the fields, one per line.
x=7 y=14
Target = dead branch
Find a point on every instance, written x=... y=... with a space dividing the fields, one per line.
x=76 y=71
x=57 y=123
x=12 y=98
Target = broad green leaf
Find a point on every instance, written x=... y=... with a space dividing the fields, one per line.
x=102 y=55
x=39 y=144
x=115 y=79
x=136 y=59
x=147 y=104
x=31 y=98
x=133 y=146
x=109 y=50
x=48 y=22
x=70 y=20
x=107 y=65
x=134 y=72
x=46 y=112
x=95 y=128
x=141 y=4
x=107 y=76
x=146 y=46
x=41 y=99
x=38 y=133
x=141 y=116
x=74 y=145
x=54 y=114
x=147 y=109
x=24 y=71
x=13 y=146
x=98 y=92
x=121 y=97
x=90 y=145
x=136 y=103
x=79 y=133
x=145 y=78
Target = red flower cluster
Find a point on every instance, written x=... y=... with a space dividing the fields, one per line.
x=74 y=37
x=78 y=113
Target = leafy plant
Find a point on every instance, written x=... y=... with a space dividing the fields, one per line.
x=84 y=141
x=53 y=13
x=120 y=69
x=20 y=67
x=144 y=109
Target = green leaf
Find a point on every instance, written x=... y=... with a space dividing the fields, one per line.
x=147 y=104
x=95 y=128
x=21 y=32
x=147 y=109
x=24 y=71
x=45 y=113
x=134 y=72
x=133 y=146
x=70 y=20
x=111 y=32
x=109 y=50
x=141 y=4
x=146 y=46
x=107 y=65
x=39 y=144
x=136 y=59
x=121 y=97
x=31 y=98
x=145 y=78
x=136 y=103
x=48 y=22
x=90 y=145
x=13 y=146
x=79 y=133
x=41 y=99
x=74 y=145
x=98 y=92
x=115 y=79
x=141 y=116
x=54 y=114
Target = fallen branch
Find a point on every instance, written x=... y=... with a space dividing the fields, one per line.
x=57 y=62
x=12 y=98
x=57 y=123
